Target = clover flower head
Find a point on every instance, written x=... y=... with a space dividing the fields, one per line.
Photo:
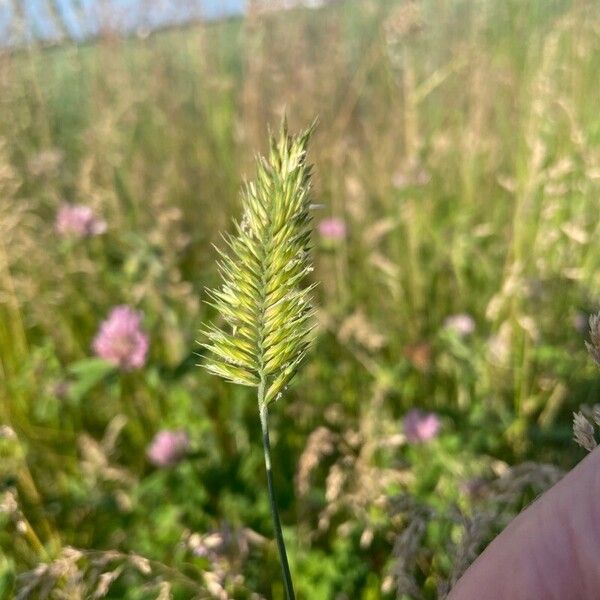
x=168 y=447
x=332 y=228
x=78 y=220
x=121 y=340
x=462 y=324
x=420 y=426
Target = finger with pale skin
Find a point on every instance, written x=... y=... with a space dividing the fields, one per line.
x=551 y=551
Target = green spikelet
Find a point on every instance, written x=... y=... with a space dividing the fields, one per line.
x=267 y=314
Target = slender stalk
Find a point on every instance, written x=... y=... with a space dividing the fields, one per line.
x=264 y=422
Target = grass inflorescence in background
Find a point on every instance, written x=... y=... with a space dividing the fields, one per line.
x=457 y=259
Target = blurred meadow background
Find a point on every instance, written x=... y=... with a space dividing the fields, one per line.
x=457 y=162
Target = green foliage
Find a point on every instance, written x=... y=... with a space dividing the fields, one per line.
x=86 y=374
x=7 y=579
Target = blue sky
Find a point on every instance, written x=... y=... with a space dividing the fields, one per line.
x=83 y=17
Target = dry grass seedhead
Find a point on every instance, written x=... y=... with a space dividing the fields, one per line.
x=583 y=431
x=594 y=345
x=584 y=420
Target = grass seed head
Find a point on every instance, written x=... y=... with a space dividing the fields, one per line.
x=267 y=313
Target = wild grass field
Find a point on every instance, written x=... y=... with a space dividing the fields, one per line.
x=457 y=171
